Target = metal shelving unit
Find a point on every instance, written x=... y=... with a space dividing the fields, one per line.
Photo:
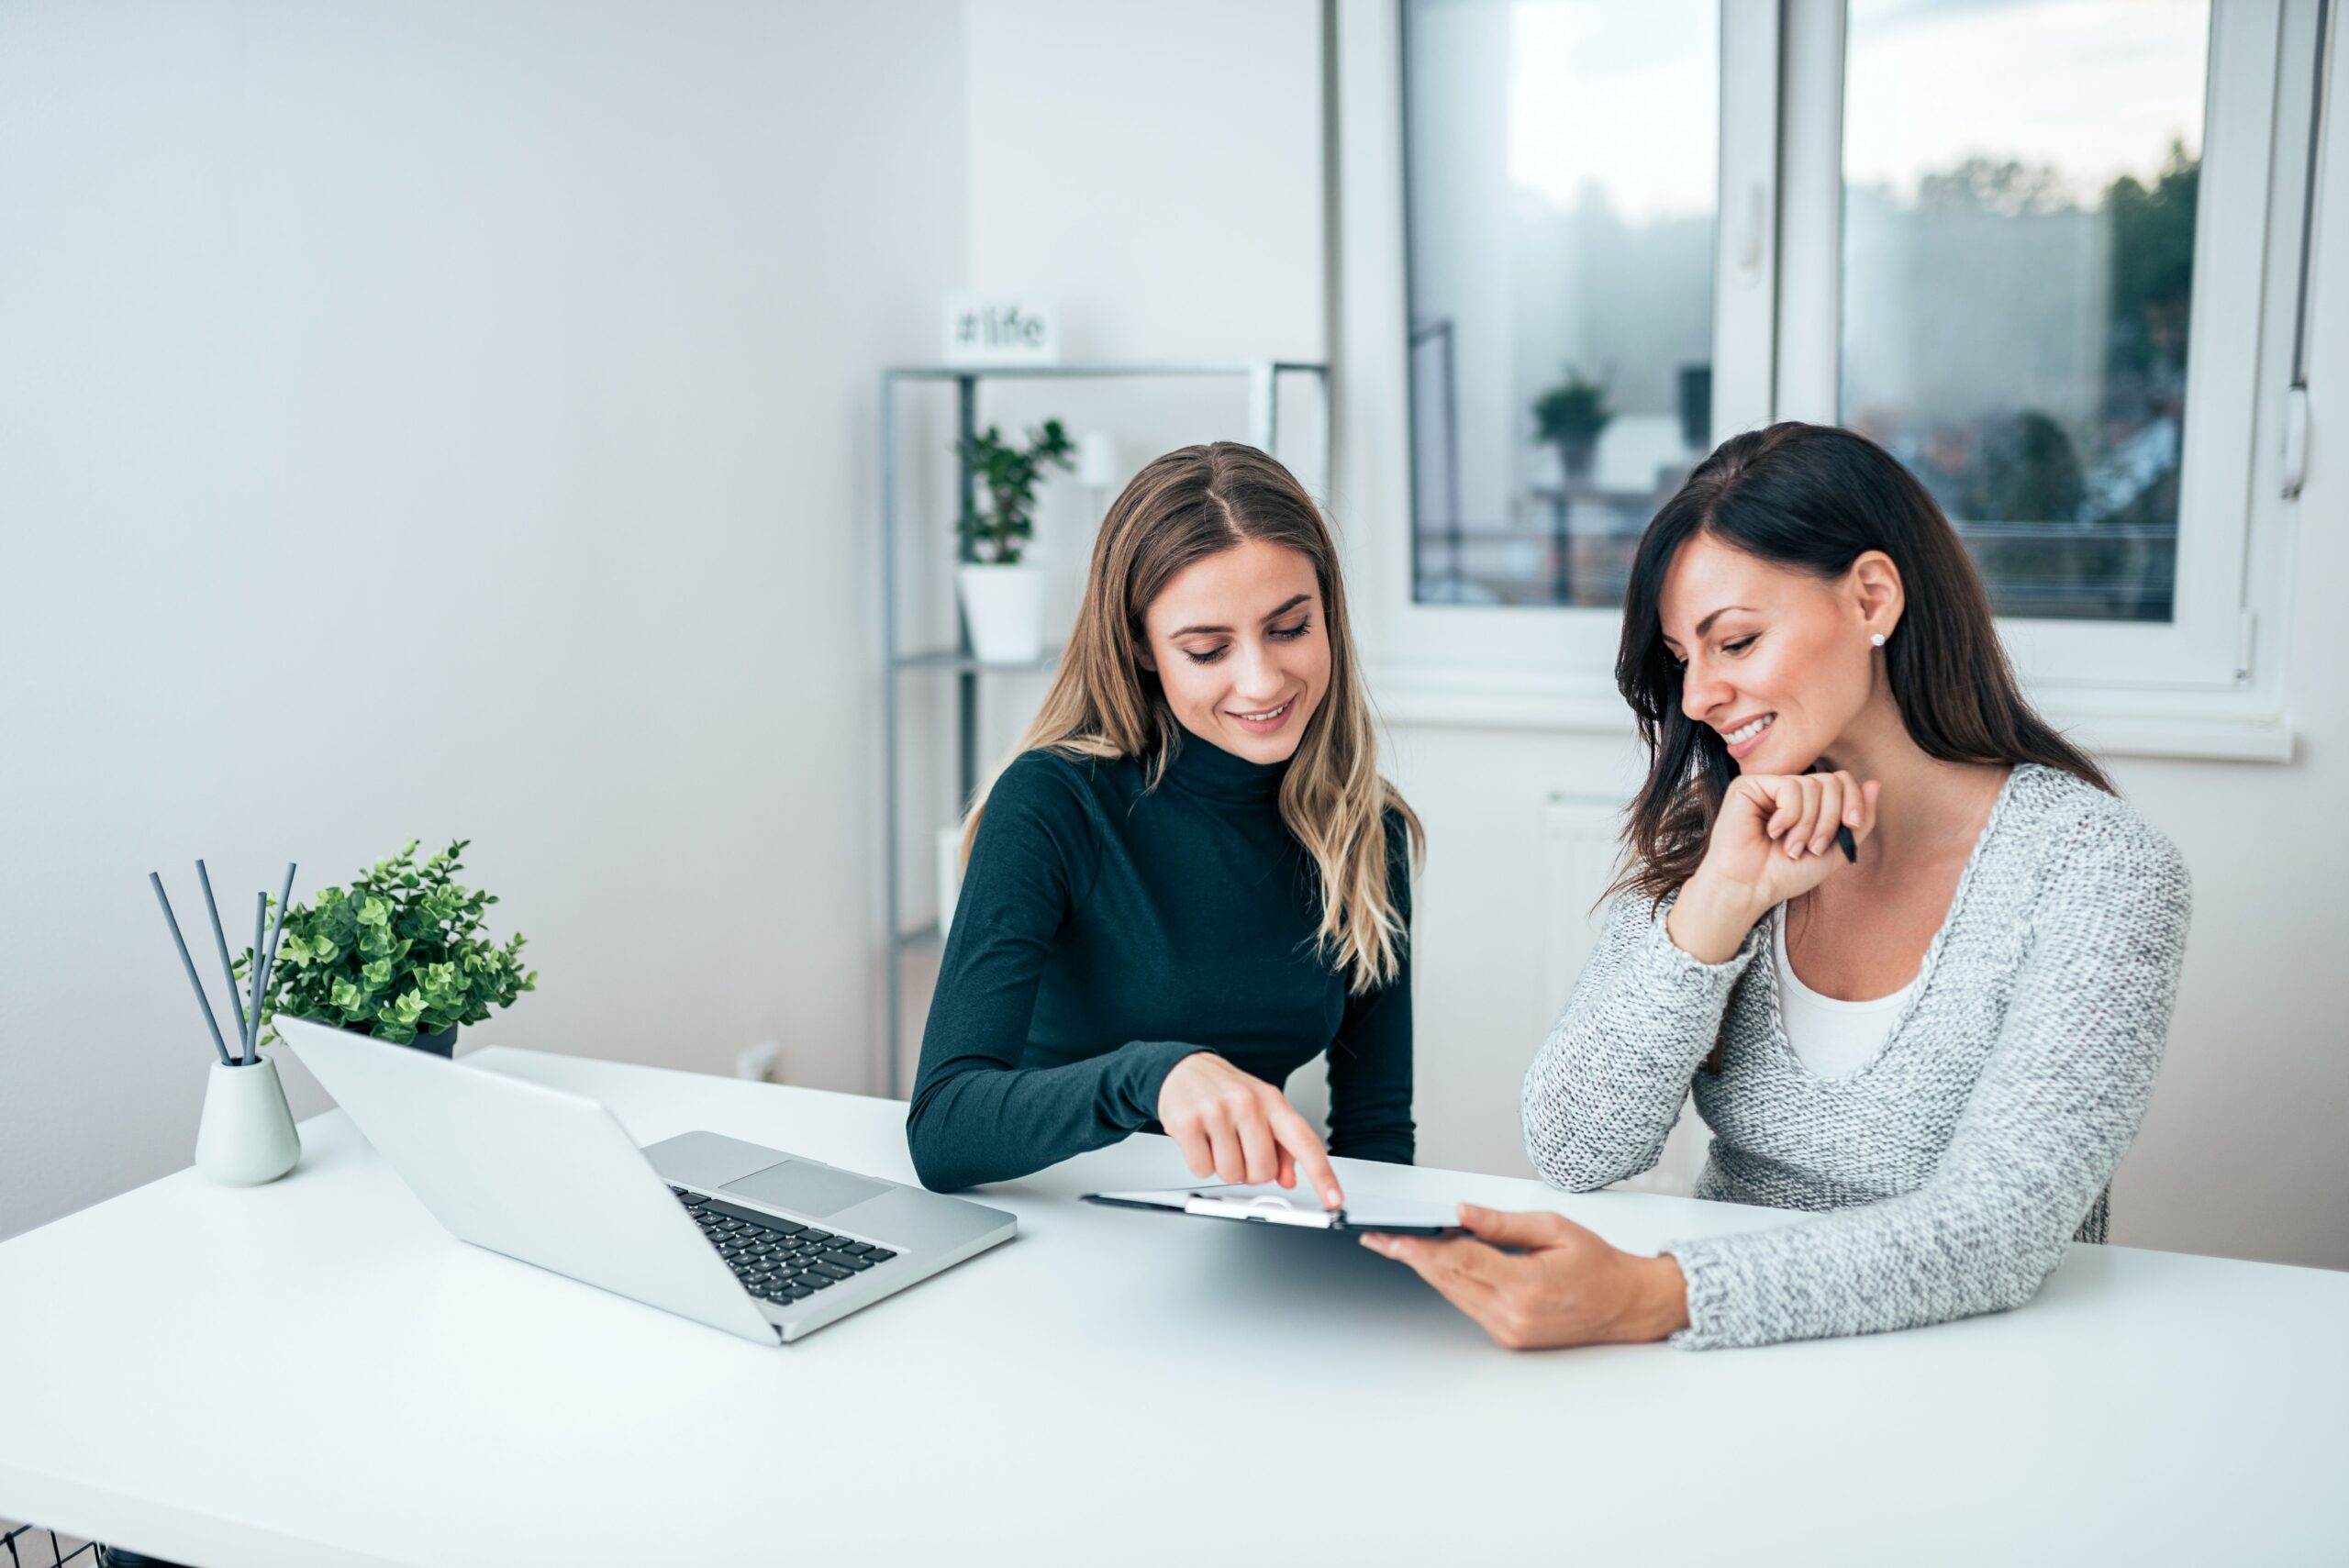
x=1264 y=381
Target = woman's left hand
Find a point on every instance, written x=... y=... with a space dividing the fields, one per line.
x=1566 y=1286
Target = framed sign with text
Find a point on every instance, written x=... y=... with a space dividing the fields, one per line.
x=1000 y=330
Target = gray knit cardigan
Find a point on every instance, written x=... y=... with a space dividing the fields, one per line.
x=1958 y=1161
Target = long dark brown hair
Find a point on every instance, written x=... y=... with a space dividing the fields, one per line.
x=1816 y=498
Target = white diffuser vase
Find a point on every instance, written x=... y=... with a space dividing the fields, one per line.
x=1004 y=608
x=247 y=1135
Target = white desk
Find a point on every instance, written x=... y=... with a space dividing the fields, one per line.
x=312 y=1374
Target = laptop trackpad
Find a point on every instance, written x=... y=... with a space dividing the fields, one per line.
x=813 y=1190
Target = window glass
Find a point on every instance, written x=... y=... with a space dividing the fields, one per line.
x=2018 y=269
x=1560 y=161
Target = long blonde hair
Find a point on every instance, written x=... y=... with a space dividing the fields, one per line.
x=1185 y=506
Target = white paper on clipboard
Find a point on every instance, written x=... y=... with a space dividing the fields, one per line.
x=1299 y=1207
x=1275 y=1206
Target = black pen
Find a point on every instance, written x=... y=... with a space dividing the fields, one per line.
x=1851 y=846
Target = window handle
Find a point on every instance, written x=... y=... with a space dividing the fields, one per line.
x=2296 y=439
x=1749 y=260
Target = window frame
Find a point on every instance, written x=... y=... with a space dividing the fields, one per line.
x=2208 y=683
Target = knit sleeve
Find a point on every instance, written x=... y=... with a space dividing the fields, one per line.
x=1608 y=1084
x=2055 y=1107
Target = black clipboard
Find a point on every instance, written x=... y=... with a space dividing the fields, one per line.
x=1298 y=1208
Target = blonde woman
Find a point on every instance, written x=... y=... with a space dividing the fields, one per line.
x=1191 y=880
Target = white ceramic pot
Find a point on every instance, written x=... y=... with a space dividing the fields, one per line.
x=1004 y=607
x=949 y=875
x=247 y=1135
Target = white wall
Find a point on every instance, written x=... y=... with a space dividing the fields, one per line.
x=449 y=420
x=1153 y=168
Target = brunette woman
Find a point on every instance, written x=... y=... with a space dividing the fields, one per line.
x=1939 y=1045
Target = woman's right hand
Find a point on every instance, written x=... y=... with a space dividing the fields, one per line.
x=1234 y=1126
x=1774 y=840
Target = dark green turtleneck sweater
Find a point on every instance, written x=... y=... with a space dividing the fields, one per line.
x=1105 y=931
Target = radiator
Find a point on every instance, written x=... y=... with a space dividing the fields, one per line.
x=1579 y=848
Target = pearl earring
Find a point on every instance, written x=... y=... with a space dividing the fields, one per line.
x=1876 y=641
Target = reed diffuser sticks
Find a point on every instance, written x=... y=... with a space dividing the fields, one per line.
x=264 y=959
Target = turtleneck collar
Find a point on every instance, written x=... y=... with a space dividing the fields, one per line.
x=1202 y=767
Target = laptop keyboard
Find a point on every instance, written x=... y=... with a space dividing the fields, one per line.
x=778 y=1259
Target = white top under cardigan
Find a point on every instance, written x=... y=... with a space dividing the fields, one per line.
x=1832 y=1035
x=1960 y=1158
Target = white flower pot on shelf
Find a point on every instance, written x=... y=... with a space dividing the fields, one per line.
x=1004 y=607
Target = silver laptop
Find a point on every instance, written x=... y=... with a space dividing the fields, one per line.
x=741 y=1237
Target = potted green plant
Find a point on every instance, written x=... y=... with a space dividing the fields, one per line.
x=1570 y=417
x=400 y=955
x=1003 y=597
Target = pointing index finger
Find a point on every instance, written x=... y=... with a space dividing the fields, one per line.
x=1313 y=1161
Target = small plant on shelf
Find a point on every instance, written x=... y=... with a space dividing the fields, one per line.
x=1009 y=474
x=1570 y=415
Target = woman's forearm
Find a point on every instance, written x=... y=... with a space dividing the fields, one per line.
x=976 y=1121
x=1606 y=1086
